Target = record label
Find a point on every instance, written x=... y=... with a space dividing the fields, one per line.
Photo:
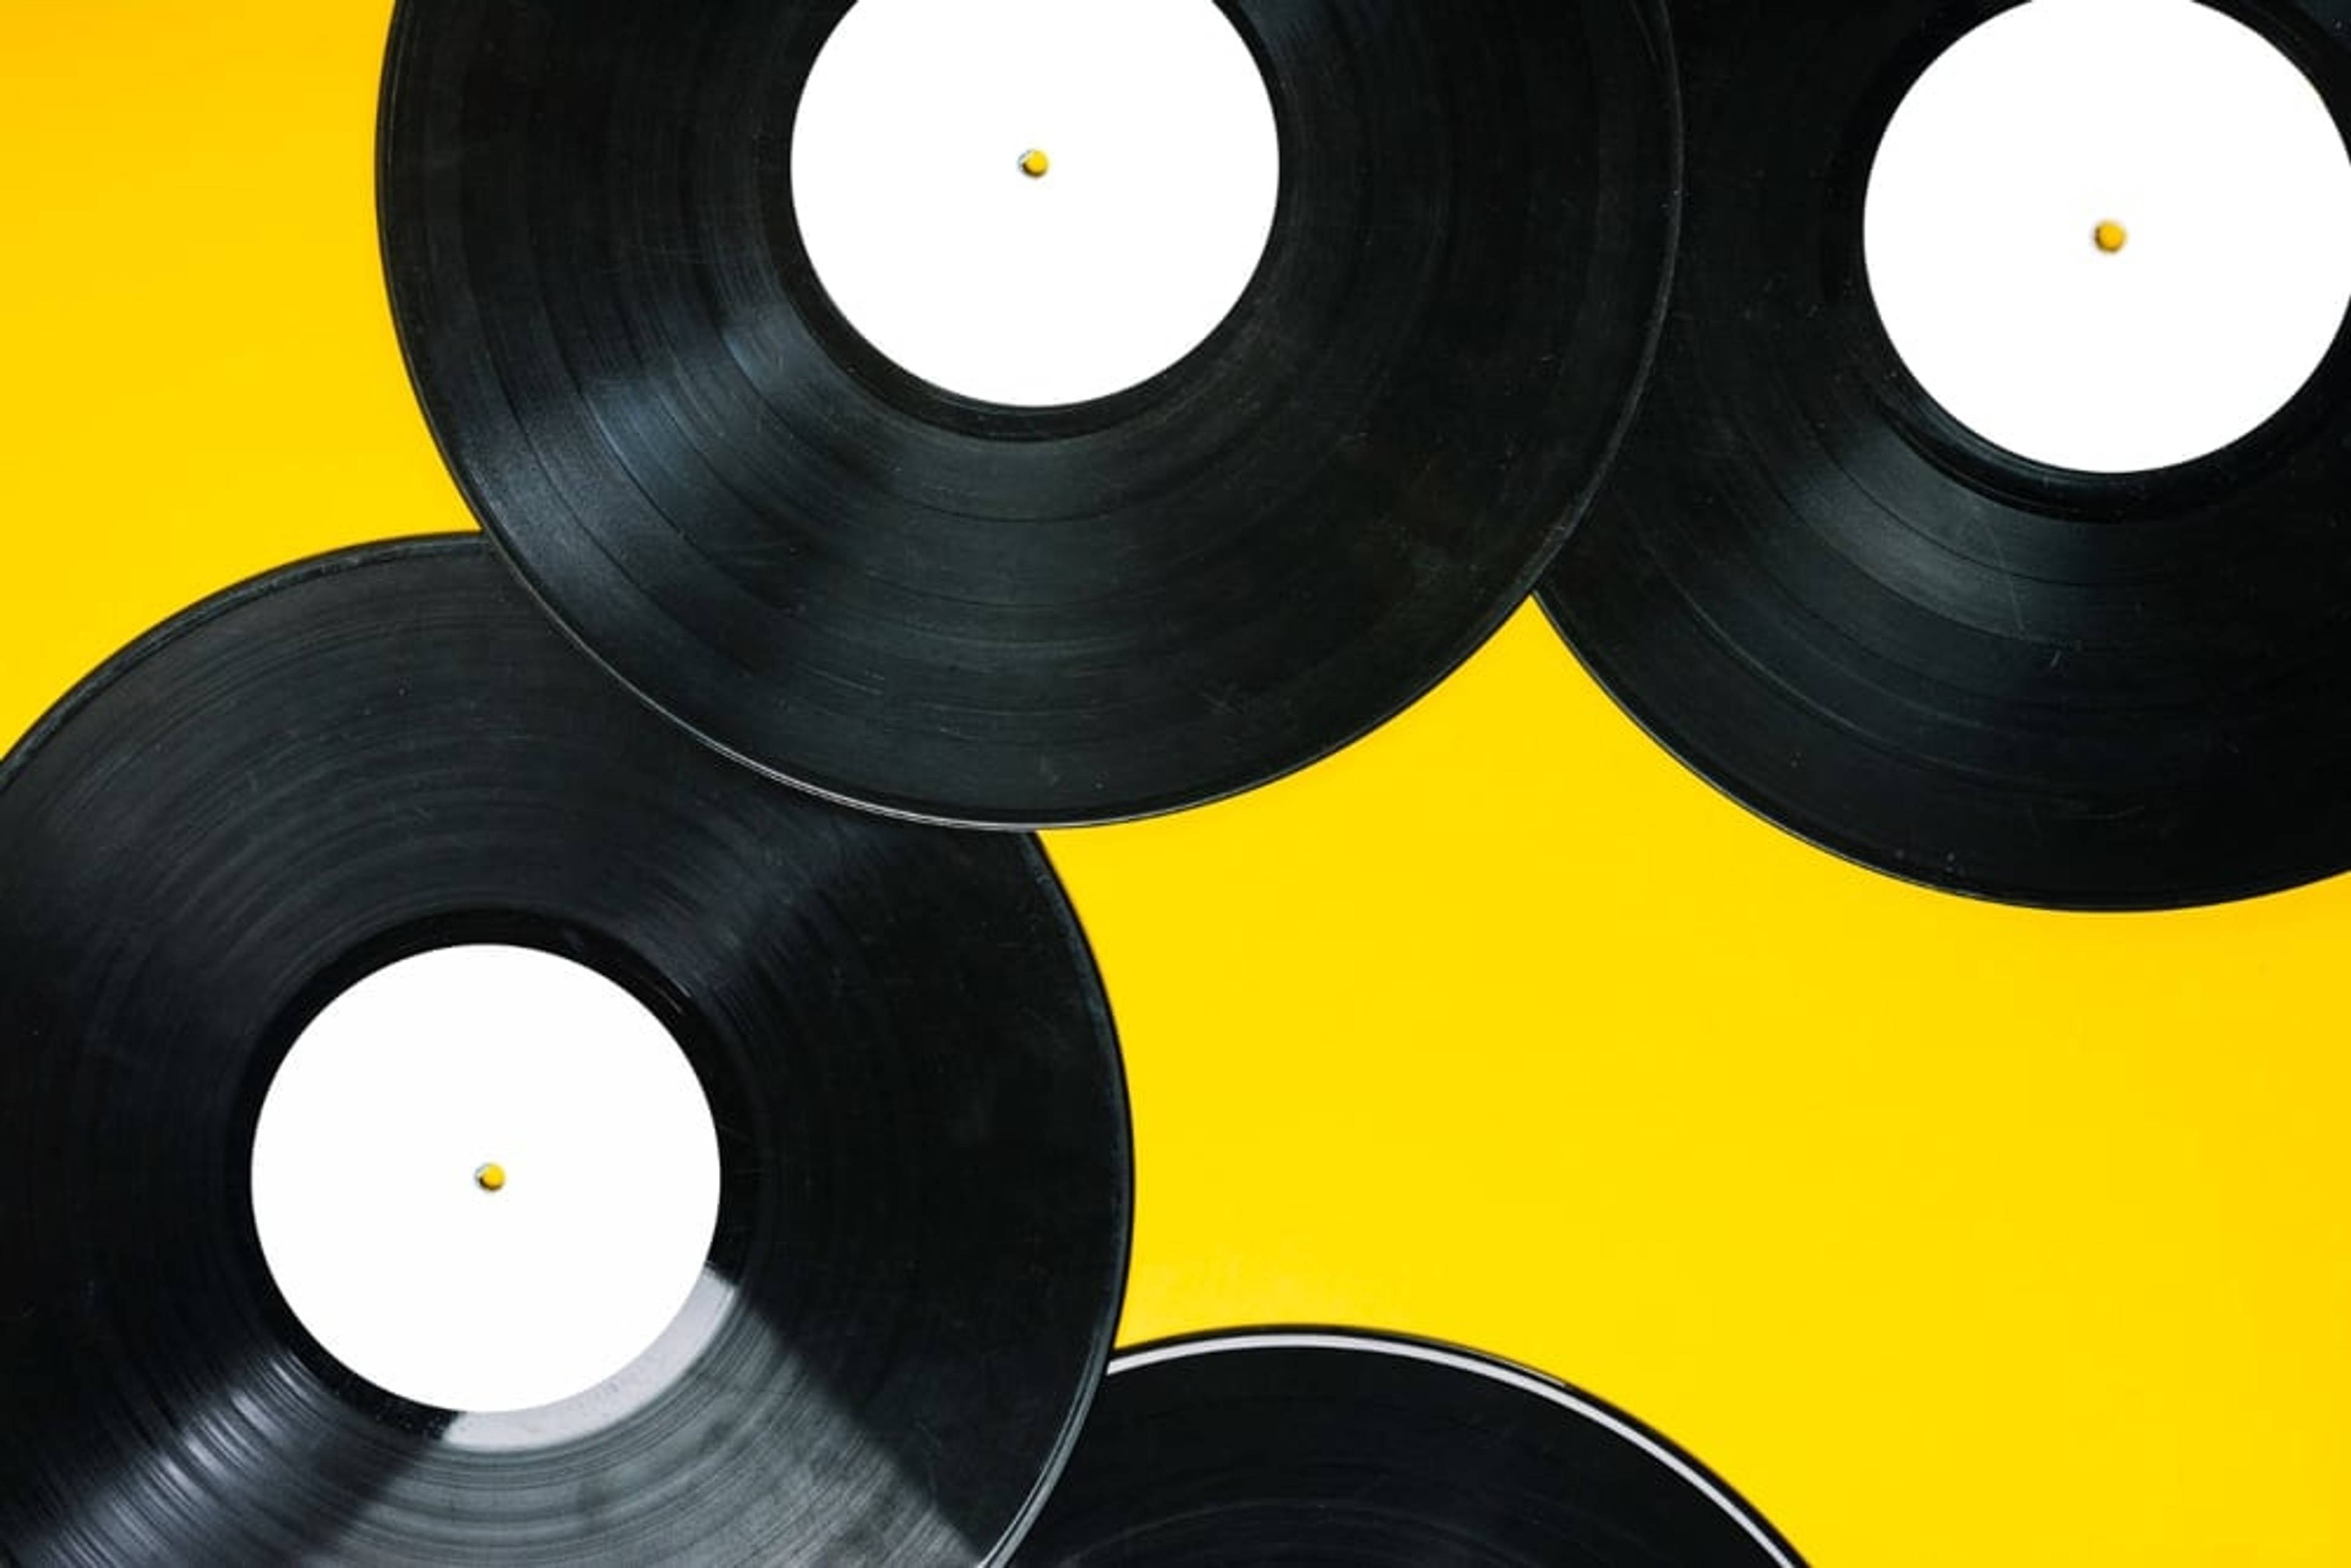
x=486 y=1178
x=2111 y=234
x=1034 y=201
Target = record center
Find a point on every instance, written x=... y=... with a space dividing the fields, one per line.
x=1035 y=203
x=2194 y=313
x=434 y=1271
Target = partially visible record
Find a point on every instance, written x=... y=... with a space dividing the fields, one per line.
x=1361 y=1452
x=924 y=1176
x=981 y=613
x=1919 y=650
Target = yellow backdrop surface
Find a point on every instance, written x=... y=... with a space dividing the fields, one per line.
x=1951 y=1234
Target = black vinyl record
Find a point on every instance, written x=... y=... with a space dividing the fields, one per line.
x=1002 y=616
x=1925 y=652
x=925 y=1184
x=1350 y=1450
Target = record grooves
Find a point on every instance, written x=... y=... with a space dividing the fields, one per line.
x=924 y=1164
x=1870 y=625
x=1355 y=1450
x=1003 y=616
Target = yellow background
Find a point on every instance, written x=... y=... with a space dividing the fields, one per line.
x=1951 y=1234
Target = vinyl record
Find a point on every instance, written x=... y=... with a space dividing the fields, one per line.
x=923 y=1179
x=1919 y=650
x=1001 y=615
x=1324 y=1447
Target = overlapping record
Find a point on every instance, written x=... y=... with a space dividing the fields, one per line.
x=1865 y=622
x=1361 y=1452
x=1020 y=616
x=924 y=1187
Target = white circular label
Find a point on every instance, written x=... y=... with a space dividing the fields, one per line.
x=486 y=1178
x=1041 y=280
x=2221 y=276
